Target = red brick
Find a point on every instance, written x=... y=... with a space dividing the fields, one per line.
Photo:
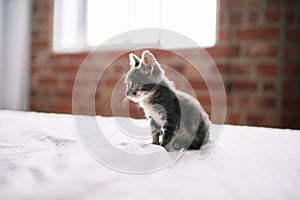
x=69 y=81
x=272 y=16
x=35 y=7
x=266 y=69
x=269 y=87
x=253 y=3
x=291 y=2
x=38 y=69
x=100 y=110
x=240 y=68
x=197 y=84
x=190 y=71
x=235 y=17
x=244 y=102
x=48 y=81
x=243 y=86
x=291 y=120
x=287 y=53
x=136 y=112
x=204 y=100
x=224 y=4
x=233 y=118
x=253 y=17
x=79 y=55
x=111 y=82
x=263 y=119
x=178 y=67
x=292 y=35
x=38 y=106
x=223 y=68
x=65 y=94
x=224 y=35
x=265 y=102
x=292 y=69
x=106 y=95
x=241 y=3
x=62 y=107
x=229 y=101
x=290 y=103
x=39 y=44
x=261 y=49
x=223 y=18
x=289 y=18
x=65 y=68
x=271 y=120
x=273 y=2
x=223 y=51
x=232 y=3
x=258 y=33
x=255 y=119
x=288 y=86
x=46 y=6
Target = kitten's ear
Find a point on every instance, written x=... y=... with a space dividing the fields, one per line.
x=148 y=58
x=134 y=60
x=150 y=64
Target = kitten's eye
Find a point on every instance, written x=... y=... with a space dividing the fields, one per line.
x=133 y=84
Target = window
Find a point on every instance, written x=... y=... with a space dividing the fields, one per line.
x=82 y=24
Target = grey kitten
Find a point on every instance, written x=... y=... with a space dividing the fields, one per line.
x=175 y=116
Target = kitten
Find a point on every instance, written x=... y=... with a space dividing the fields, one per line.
x=174 y=116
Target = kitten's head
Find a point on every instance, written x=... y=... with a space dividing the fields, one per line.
x=144 y=71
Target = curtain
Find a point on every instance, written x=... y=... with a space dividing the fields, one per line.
x=15 y=29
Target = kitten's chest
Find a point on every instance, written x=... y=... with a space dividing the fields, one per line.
x=155 y=112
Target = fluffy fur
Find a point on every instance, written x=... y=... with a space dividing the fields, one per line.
x=177 y=119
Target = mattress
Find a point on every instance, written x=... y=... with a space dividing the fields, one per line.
x=42 y=157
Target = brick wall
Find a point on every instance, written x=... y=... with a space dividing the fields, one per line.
x=257 y=52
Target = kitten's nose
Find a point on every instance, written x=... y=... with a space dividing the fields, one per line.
x=128 y=93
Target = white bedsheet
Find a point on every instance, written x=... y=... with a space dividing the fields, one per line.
x=42 y=158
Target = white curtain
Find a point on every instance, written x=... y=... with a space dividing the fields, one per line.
x=15 y=17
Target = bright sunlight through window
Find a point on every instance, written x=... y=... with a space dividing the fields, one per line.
x=83 y=24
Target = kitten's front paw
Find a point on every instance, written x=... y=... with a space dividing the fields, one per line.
x=155 y=139
x=166 y=146
x=155 y=142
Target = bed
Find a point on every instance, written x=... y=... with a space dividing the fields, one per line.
x=41 y=157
